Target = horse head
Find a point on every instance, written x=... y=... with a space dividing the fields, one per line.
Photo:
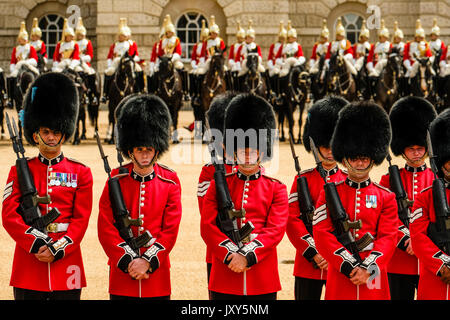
x=253 y=61
x=166 y=66
x=394 y=60
x=126 y=65
x=217 y=60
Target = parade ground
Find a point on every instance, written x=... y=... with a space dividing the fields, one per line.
x=188 y=267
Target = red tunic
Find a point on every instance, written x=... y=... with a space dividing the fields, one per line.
x=431 y=257
x=266 y=204
x=348 y=49
x=31 y=55
x=240 y=56
x=157 y=201
x=133 y=50
x=89 y=52
x=57 y=56
x=376 y=207
x=204 y=181
x=296 y=230
x=73 y=200
x=203 y=54
x=407 y=55
x=273 y=56
x=414 y=180
x=177 y=49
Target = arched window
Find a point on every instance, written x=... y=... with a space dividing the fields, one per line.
x=352 y=24
x=188 y=27
x=51 y=26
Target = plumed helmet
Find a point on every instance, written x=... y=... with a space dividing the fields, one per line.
x=35 y=30
x=325 y=32
x=435 y=29
x=420 y=32
x=23 y=34
x=52 y=102
x=291 y=32
x=143 y=121
x=397 y=31
x=362 y=130
x=204 y=33
x=169 y=26
x=321 y=120
x=340 y=30
x=213 y=27
x=80 y=29
x=67 y=31
x=123 y=28
x=282 y=33
x=440 y=139
x=250 y=31
x=383 y=32
x=240 y=33
x=364 y=31
x=410 y=118
x=250 y=119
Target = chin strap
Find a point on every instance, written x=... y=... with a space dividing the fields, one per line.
x=44 y=143
x=358 y=171
x=155 y=157
x=420 y=160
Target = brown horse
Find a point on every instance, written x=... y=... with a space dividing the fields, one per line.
x=170 y=90
x=340 y=80
x=213 y=84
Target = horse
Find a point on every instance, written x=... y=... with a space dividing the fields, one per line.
x=386 y=90
x=422 y=84
x=340 y=81
x=318 y=89
x=294 y=92
x=213 y=84
x=122 y=85
x=253 y=81
x=25 y=77
x=170 y=90
x=81 y=88
x=93 y=95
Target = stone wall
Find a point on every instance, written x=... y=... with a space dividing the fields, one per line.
x=145 y=17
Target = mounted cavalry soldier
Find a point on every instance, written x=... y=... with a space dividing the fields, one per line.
x=397 y=42
x=117 y=50
x=362 y=48
x=292 y=52
x=199 y=57
x=67 y=51
x=38 y=44
x=437 y=46
x=274 y=59
x=320 y=49
x=48 y=224
x=378 y=55
x=355 y=221
x=23 y=55
x=419 y=48
x=153 y=202
x=341 y=46
x=234 y=65
x=249 y=47
x=410 y=118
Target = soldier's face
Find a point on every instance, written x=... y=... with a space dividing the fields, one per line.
x=339 y=37
x=169 y=34
x=247 y=158
x=22 y=41
x=49 y=141
x=35 y=37
x=358 y=168
x=433 y=37
x=397 y=40
x=323 y=39
x=122 y=37
x=415 y=155
x=143 y=156
x=383 y=39
x=327 y=156
x=292 y=39
x=68 y=38
x=80 y=36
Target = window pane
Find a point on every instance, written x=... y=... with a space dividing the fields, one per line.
x=189 y=26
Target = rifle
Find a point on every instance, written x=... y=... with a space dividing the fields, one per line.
x=304 y=196
x=397 y=187
x=29 y=200
x=122 y=219
x=339 y=217
x=439 y=231
x=227 y=214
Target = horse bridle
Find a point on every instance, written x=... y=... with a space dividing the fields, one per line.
x=127 y=82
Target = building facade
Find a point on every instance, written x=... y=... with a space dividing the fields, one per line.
x=145 y=17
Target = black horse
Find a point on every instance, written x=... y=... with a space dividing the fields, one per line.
x=214 y=83
x=339 y=80
x=386 y=90
x=170 y=90
x=122 y=85
x=294 y=93
x=318 y=87
x=254 y=81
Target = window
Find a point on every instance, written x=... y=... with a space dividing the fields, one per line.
x=188 y=27
x=352 y=24
x=51 y=26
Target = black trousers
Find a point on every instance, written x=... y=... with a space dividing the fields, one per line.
x=308 y=289
x=402 y=286
x=25 y=294
x=223 y=296
x=114 y=297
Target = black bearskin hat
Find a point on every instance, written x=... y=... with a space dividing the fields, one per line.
x=255 y=117
x=52 y=102
x=410 y=118
x=363 y=129
x=321 y=120
x=217 y=108
x=440 y=139
x=143 y=121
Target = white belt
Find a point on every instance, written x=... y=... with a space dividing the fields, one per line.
x=57 y=227
x=369 y=247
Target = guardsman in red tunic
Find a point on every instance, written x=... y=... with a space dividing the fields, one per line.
x=37 y=43
x=67 y=51
x=410 y=118
x=48 y=263
x=216 y=117
x=434 y=281
x=247 y=268
x=419 y=48
x=310 y=268
x=144 y=272
x=358 y=272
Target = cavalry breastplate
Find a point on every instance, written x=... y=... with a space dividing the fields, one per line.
x=290 y=49
x=82 y=44
x=22 y=52
x=66 y=49
x=120 y=48
x=419 y=48
x=436 y=45
x=37 y=45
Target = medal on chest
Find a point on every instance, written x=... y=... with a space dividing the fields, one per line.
x=371 y=201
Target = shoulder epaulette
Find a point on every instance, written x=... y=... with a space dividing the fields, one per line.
x=272 y=179
x=165 y=167
x=307 y=171
x=340 y=182
x=425 y=189
x=166 y=180
x=381 y=187
x=76 y=161
x=230 y=173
